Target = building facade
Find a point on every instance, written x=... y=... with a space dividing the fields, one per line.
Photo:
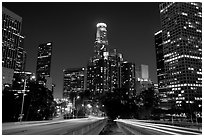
x=160 y=66
x=142 y=72
x=12 y=39
x=13 y=54
x=21 y=59
x=43 y=68
x=103 y=69
x=74 y=81
x=181 y=62
x=114 y=68
x=128 y=80
x=101 y=42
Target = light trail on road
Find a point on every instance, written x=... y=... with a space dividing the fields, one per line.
x=45 y=128
x=164 y=129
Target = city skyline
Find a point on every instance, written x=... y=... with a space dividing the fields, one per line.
x=72 y=26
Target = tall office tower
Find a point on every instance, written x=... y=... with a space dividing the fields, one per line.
x=11 y=38
x=44 y=62
x=128 y=77
x=181 y=25
x=160 y=66
x=74 y=81
x=101 y=43
x=143 y=81
x=142 y=72
x=97 y=77
x=114 y=61
x=21 y=60
x=12 y=43
x=97 y=67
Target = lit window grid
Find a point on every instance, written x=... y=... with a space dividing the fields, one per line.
x=188 y=56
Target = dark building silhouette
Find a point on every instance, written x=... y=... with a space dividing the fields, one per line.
x=13 y=54
x=181 y=84
x=97 y=67
x=114 y=62
x=128 y=78
x=44 y=62
x=160 y=65
x=21 y=60
x=97 y=77
x=74 y=81
x=12 y=40
x=103 y=69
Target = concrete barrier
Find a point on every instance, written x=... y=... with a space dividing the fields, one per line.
x=88 y=129
x=129 y=129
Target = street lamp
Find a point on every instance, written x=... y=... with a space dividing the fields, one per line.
x=24 y=89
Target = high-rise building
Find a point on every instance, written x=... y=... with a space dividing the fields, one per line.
x=101 y=43
x=160 y=66
x=97 y=77
x=12 y=45
x=143 y=81
x=181 y=62
x=74 y=81
x=11 y=38
x=142 y=72
x=128 y=77
x=97 y=68
x=44 y=62
x=103 y=70
x=114 y=62
x=21 y=60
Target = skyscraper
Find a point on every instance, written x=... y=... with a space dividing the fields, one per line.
x=12 y=45
x=181 y=25
x=44 y=62
x=11 y=38
x=143 y=81
x=103 y=69
x=128 y=77
x=101 y=43
x=160 y=66
x=97 y=77
x=74 y=81
x=142 y=72
x=114 y=76
x=21 y=59
x=97 y=67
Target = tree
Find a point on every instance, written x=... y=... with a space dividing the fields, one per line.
x=41 y=104
x=119 y=104
x=9 y=105
x=147 y=101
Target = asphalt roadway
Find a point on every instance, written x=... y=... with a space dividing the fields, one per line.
x=143 y=127
x=52 y=127
x=63 y=127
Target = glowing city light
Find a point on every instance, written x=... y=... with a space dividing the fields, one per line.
x=101 y=25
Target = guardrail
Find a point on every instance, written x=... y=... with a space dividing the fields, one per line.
x=88 y=129
x=129 y=129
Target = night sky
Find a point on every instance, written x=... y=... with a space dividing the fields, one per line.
x=72 y=27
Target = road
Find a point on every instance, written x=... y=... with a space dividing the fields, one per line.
x=123 y=127
x=55 y=127
x=146 y=128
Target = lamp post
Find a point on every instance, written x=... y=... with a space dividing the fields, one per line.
x=22 y=104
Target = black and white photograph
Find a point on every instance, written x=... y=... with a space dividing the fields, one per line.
x=101 y=68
